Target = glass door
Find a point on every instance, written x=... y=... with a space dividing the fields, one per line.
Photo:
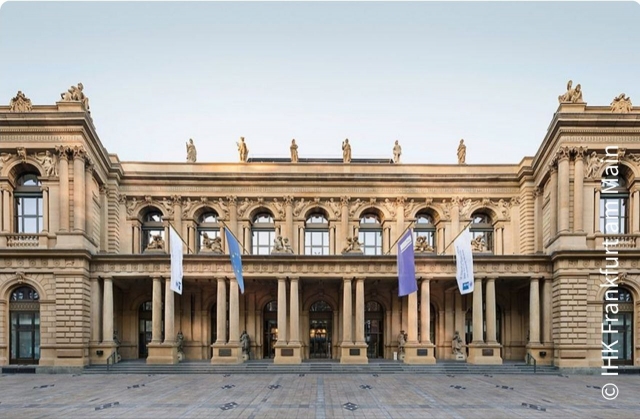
x=25 y=337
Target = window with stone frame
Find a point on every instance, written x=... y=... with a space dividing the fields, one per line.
x=152 y=225
x=614 y=208
x=424 y=227
x=481 y=229
x=370 y=234
x=263 y=232
x=207 y=224
x=28 y=205
x=316 y=235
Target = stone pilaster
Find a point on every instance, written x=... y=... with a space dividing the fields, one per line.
x=578 y=190
x=45 y=209
x=563 y=190
x=553 y=201
x=88 y=200
x=63 y=173
x=79 y=157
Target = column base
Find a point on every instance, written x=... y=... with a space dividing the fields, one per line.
x=541 y=352
x=99 y=352
x=484 y=354
x=162 y=353
x=419 y=353
x=227 y=353
x=353 y=353
x=288 y=354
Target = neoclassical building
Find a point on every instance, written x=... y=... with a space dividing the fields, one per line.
x=84 y=263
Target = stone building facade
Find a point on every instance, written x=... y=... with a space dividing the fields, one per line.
x=84 y=268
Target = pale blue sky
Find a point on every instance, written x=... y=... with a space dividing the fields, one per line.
x=426 y=74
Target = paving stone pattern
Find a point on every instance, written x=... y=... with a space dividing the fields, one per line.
x=315 y=396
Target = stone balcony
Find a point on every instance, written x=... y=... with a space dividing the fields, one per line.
x=23 y=241
x=618 y=241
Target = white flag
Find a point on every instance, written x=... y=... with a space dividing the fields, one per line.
x=464 y=262
x=176 y=260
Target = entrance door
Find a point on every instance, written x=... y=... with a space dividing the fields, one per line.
x=623 y=325
x=373 y=329
x=320 y=321
x=270 y=316
x=24 y=316
x=145 y=328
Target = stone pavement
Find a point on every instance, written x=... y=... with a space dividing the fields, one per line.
x=315 y=396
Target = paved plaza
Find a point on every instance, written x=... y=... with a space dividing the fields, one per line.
x=315 y=396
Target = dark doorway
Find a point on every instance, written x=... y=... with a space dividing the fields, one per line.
x=374 y=330
x=270 y=317
x=24 y=308
x=320 y=321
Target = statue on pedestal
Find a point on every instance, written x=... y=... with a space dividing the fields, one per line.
x=621 y=104
x=462 y=152
x=397 y=151
x=20 y=103
x=346 y=151
x=422 y=246
x=243 y=150
x=402 y=340
x=294 y=151
x=478 y=244
x=456 y=344
x=156 y=243
x=353 y=246
x=180 y=340
x=75 y=94
x=246 y=342
x=571 y=95
x=191 y=152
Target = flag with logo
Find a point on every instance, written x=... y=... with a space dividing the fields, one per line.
x=176 y=260
x=406 y=266
x=236 y=260
x=464 y=262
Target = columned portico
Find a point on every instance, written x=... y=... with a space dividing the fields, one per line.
x=420 y=351
x=352 y=352
x=540 y=349
x=163 y=352
x=481 y=352
x=227 y=352
x=289 y=352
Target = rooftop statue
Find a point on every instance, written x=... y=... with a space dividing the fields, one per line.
x=20 y=103
x=397 y=151
x=621 y=104
x=243 y=150
x=192 y=154
x=462 y=152
x=75 y=94
x=571 y=95
x=346 y=151
x=294 y=151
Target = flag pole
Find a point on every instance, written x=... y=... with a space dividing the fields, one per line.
x=454 y=239
x=234 y=236
x=185 y=243
x=399 y=237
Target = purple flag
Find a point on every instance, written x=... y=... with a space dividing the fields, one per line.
x=406 y=267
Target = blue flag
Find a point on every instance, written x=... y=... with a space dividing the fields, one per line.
x=406 y=267
x=236 y=260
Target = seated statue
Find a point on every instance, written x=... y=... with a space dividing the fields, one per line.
x=216 y=245
x=278 y=245
x=156 y=243
x=478 y=244
x=353 y=246
x=287 y=246
x=422 y=246
x=456 y=344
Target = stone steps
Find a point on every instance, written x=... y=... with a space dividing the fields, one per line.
x=317 y=368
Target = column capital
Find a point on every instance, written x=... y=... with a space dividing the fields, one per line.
x=294 y=278
x=563 y=153
x=79 y=153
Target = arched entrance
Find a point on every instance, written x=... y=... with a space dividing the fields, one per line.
x=622 y=323
x=24 y=313
x=145 y=328
x=320 y=321
x=373 y=329
x=270 y=317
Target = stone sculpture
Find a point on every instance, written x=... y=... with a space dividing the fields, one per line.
x=621 y=104
x=402 y=340
x=462 y=152
x=246 y=342
x=593 y=165
x=353 y=246
x=397 y=151
x=294 y=151
x=478 y=244
x=76 y=94
x=571 y=95
x=156 y=243
x=192 y=153
x=346 y=151
x=422 y=246
x=243 y=150
x=456 y=344
x=20 y=103
x=49 y=163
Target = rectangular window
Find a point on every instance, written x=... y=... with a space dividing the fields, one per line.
x=28 y=216
x=371 y=242
x=613 y=215
x=262 y=241
x=316 y=242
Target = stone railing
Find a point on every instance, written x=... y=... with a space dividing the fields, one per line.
x=19 y=240
x=618 y=241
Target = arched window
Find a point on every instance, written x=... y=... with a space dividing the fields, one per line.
x=425 y=228
x=152 y=226
x=370 y=234
x=28 y=205
x=263 y=233
x=614 y=211
x=208 y=227
x=481 y=233
x=316 y=235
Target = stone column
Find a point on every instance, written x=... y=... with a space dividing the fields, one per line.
x=546 y=310
x=344 y=224
x=491 y=310
x=282 y=312
x=399 y=222
x=553 y=201
x=359 y=335
x=169 y=316
x=578 y=189
x=136 y=237
x=79 y=156
x=455 y=222
x=635 y=217
x=534 y=312
x=440 y=246
x=412 y=319
x=107 y=311
x=563 y=190
x=499 y=240
x=425 y=311
x=347 y=336
x=45 y=209
x=96 y=308
x=221 y=314
x=6 y=210
x=104 y=219
x=156 y=312
x=233 y=215
x=294 y=313
x=537 y=219
x=63 y=173
x=88 y=200
x=596 y=210
x=288 y=217
x=234 y=312
x=477 y=312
